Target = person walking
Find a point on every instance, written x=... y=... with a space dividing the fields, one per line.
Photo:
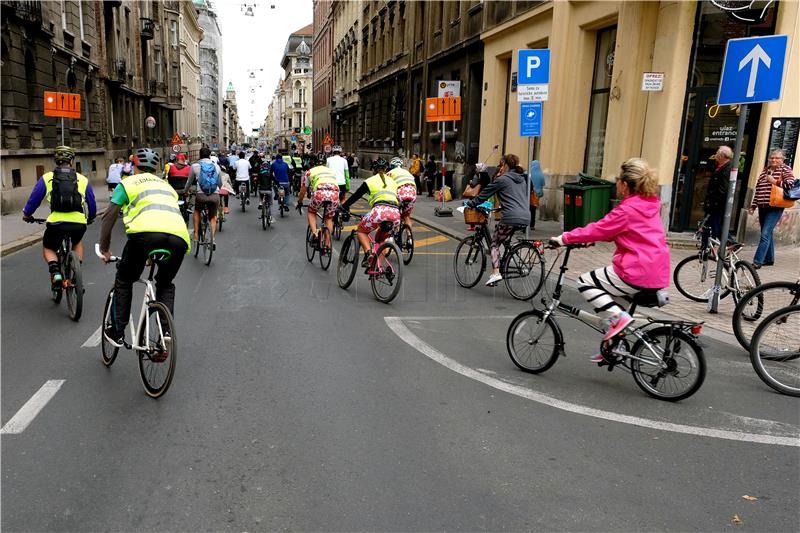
x=717 y=193
x=537 y=189
x=775 y=173
x=430 y=175
x=416 y=170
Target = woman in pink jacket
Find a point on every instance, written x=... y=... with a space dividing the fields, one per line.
x=641 y=260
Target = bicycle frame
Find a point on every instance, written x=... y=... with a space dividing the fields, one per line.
x=149 y=296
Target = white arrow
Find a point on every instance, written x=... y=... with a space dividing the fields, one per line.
x=756 y=54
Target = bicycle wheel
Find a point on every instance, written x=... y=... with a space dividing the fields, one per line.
x=670 y=365
x=348 y=262
x=208 y=245
x=523 y=271
x=55 y=294
x=469 y=262
x=389 y=267
x=243 y=199
x=264 y=215
x=310 y=245
x=74 y=286
x=775 y=351
x=406 y=243
x=745 y=278
x=533 y=342
x=694 y=278
x=157 y=360
x=325 y=251
x=759 y=303
x=337 y=228
x=109 y=351
x=220 y=216
x=282 y=208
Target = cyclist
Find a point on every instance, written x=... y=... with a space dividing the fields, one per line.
x=280 y=173
x=265 y=185
x=178 y=172
x=209 y=180
x=383 y=204
x=338 y=165
x=243 y=175
x=153 y=222
x=641 y=260
x=320 y=182
x=406 y=188
x=511 y=188
x=68 y=193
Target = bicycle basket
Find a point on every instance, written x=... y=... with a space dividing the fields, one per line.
x=474 y=216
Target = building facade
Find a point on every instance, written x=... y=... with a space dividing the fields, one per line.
x=232 y=131
x=322 y=55
x=295 y=91
x=188 y=118
x=346 y=73
x=211 y=97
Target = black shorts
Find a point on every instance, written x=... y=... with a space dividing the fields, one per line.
x=55 y=232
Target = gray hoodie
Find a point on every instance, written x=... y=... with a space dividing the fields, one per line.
x=512 y=190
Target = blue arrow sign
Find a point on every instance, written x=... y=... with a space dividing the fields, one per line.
x=530 y=119
x=753 y=70
x=533 y=67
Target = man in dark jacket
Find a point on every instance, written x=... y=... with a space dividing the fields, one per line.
x=717 y=193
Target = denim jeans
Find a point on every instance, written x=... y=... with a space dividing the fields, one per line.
x=768 y=217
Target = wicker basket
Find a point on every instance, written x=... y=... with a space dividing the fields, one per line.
x=474 y=216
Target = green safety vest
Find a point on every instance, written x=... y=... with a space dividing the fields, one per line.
x=320 y=175
x=378 y=192
x=152 y=207
x=402 y=177
x=78 y=217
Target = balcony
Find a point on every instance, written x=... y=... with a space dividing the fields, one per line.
x=148 y=28
x=118 y=71
x=28 y=12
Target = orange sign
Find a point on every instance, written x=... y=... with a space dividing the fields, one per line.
x=442 y=109
x=328 y=139
x=67 y=105
x=176 y=139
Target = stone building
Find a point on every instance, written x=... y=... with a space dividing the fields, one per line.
x=297 y=82
x=211 y=97
x=188 y=118
x=346 y=73
x=232 y=132
x=322 y=55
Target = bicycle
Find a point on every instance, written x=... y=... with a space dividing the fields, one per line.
x=521 y=265
x=265 y=207
x=338 y=226
x=775 y=350
x=282 y=207
x=321 y=242
x=384 y=270
x=243 y=195
x=759 y=303
x=154 y=334
x=220 y=213
x=666 y=360
x=404 y=238
x=694 y=276
x=69 y=266
x=204 y=239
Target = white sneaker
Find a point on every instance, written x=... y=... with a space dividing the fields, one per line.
x=494 y=279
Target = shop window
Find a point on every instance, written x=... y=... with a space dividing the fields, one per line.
x=598 y=103
x=16 y=178
x=39 y=171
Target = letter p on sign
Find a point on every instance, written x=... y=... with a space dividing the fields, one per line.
x=533 y=67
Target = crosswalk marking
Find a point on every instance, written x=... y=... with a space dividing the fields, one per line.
x=93 y=340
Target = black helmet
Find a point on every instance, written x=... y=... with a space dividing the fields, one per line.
x=380 y=163
x=148 y=159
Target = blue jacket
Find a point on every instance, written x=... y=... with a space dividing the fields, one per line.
x=537 y=178
x=280 y=170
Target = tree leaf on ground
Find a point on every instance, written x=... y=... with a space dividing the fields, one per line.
x=749 y=498
x=736 y=520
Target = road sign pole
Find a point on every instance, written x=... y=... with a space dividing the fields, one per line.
x=62 y=131
x=444 y=141
x=530 y=176
x=713 y=302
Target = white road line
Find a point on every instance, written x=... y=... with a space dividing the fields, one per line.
x=401 y=330
x=94 y=339
x=28 y=412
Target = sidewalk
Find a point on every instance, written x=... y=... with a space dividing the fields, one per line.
x=787 y=262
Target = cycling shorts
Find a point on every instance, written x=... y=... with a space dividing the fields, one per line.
x=209 y=201
x=407 y=194
x=380 y=213
x=325 y=192
x=55 y=232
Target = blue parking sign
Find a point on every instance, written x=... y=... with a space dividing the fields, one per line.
x=753 y=70
x=530 y=119
x=533 y=67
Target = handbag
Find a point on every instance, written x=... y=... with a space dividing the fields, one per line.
x=793 y=192
x=471 y=191
x=776 y=198
x=534 y=199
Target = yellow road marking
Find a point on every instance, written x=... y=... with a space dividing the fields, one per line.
x=429 y=241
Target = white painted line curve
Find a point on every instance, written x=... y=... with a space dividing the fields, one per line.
x=94 y=339
x=28 y=412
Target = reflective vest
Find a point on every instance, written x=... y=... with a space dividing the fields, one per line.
x=320 y=175
x=298 y=163
x=78 y=217
x=378 y=192
x=402 y=177
x=152 y=207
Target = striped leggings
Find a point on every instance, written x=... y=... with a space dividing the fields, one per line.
x=603 y=289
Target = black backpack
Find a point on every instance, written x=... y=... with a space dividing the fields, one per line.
x=65 y=197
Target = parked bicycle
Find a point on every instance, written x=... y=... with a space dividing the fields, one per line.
x=666 y=360
x=759 y=303
x=153 y=337
x=69 y=265
x=385 y=270
x=775 y=350
x=321 y=241
x=521 y=265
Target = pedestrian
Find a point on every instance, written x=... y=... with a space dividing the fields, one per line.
x=537 y=189
x=717 y=192
x=779 y=174
x=416 y=170
x=115 y=173
x=431 y=171
x=354 y=172
x=127 y=167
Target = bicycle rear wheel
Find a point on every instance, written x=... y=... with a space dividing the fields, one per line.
x=405 y=241
x=469 y=262
x=348 y=262
x=695 y=278
x=745 y=278
x=759 y=303
x=310 y=245
x=523 y=271
x=109 y=351
x=337 y=228
x=157 y=360
x=775 y=350
x=264 y=215
x=533 y=342
x=670 y=366
x=74 y=286
x=208 y=245
x=389 y=267
x=325 y=250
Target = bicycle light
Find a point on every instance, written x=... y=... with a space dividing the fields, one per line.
x=696 y=329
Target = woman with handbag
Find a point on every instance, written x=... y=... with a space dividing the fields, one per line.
x=769 y=199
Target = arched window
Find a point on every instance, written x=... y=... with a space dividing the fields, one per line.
x=31 y=87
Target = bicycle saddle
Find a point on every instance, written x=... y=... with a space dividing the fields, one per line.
x=651 y=298
x=386 y=226
x=159 y=255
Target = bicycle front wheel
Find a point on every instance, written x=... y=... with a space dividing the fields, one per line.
x=157 y=359
x=406 y=243
x=670 y=365
x=533 y=341
x=264 y=216
x=109 y=351
x=469 y=262
x=389 y=272
x=523 y=271
x=745 y=278
x=775 y=350
x=310 y=250
x=74 y=286
x=695 y=278
x=348 y=262
x=325 y=250
x=759 y=303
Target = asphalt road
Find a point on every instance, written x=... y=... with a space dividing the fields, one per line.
x=299 y=406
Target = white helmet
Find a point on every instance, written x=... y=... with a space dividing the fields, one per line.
x=396 y=162
x=336 y=149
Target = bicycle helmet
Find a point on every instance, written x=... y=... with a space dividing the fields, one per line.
x=63 y=154
x=380 y=163
x=336 y=149
x=396 y=162
x=147 y=159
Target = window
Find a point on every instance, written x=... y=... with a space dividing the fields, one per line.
x=598 y=104
x=159 y=58
x=16 y=178
x=80 y=18
x=175 y=80
x=63 y=15
x=173 y=33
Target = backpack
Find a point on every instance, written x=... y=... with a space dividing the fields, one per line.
x=65 y=197
x=208 y=177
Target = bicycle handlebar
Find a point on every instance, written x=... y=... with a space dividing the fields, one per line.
x=112 y=259
x=36 y=220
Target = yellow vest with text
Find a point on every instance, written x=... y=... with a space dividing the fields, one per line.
x=78 y=217
x=378 y=192
x=402 y=177
x=320 y=175
x=152 y=206
x=298 y=163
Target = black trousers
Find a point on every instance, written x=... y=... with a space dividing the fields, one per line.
x=131 y=266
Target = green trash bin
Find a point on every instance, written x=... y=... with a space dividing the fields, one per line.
x=586 y=201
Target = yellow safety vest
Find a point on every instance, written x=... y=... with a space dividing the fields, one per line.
x=402 y=177
x=152 y=206
x=298 y=163
x=78 y=217
x=320 y=175
x=378 y=192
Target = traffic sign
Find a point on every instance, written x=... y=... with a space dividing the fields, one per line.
x=533 y=93
x=533 y=66
x=66 y=105
x=327 y=148
x=176 y=139
x=442 y=109
x=530 y=119
x=328 y=139
x=307 y=130
x=752 y=70
x=176 y=148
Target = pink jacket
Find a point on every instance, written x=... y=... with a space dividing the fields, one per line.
x=642 y=255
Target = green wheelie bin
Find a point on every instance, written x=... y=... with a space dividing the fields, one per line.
x=586 y=200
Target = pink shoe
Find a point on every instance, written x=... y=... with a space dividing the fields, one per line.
x=618 y=323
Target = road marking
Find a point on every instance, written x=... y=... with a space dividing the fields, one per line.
x=28 y=412
x=430 y=241
x=433 y=253
x=401 y=330
x=94 y=339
